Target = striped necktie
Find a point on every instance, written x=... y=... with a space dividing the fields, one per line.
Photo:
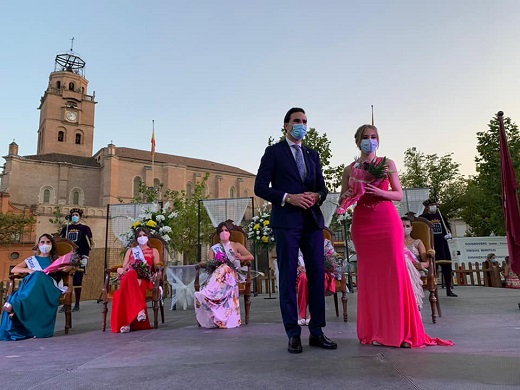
x=299 y=161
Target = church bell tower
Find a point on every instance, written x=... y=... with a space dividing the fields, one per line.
x=67 y=110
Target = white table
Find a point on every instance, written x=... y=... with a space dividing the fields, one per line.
x=182 y=280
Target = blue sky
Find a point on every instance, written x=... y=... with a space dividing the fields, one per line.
x=218 y=77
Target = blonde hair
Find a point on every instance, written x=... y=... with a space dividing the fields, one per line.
x=361 y=130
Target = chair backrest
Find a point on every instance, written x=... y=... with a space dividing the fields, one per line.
x=237 y=234
x=327 y=234
x=160 y=245
x=423 y=230
x=64 y=246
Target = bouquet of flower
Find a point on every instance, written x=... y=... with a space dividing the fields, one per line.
x=156 y=219
x=259 y=229
x=373 y=172
x=333 y=264
x=142 y=268
x=220 y=258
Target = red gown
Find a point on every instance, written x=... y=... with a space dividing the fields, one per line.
x=130 y=299
x=387 y=310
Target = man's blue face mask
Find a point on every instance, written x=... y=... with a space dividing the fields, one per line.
x=299 y=131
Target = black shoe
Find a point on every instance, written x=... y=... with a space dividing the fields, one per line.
x=322 y=341
x=450 y=293
x=62 y=309
x=75 y=308
x=295 y=345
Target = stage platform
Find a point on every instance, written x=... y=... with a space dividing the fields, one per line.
x=483 y=322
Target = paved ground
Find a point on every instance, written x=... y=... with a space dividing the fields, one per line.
x=483 y=322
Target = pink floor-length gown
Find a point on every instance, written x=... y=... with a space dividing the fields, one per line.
x=387 y=309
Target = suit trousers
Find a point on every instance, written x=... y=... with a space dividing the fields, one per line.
x=310 y=241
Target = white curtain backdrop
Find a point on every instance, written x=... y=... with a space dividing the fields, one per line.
x=220 y=210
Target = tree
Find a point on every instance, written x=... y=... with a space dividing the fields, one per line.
x=440 y=174
x=185 y=237
x=14 y=226
x=483 y=201
x=321 y=144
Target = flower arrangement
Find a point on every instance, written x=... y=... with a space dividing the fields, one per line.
x=220 y=258
x=333 y=263
x=158 y=220
x=378 y=169
x=374 y=171
x=259 y=229
x=345 y=219
x=142 y=268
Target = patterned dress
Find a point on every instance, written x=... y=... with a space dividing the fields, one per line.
x=217 y=303
x=411 y=254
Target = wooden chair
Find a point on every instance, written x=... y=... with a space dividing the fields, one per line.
x=237 y=235
x=154 y=295
x=341 y=285
x=423 y=230
x=63 y=246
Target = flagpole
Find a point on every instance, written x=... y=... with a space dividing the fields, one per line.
x=372 y=106
x=153 y=151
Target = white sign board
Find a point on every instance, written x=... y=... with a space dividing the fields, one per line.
x=475 y=249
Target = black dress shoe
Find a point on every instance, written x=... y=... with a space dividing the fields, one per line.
x=75 y=308
x=295 y=345
x=322 y=341
x=450 y=293
x=62 y=309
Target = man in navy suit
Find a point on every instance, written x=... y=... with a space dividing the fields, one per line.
x=290 y=177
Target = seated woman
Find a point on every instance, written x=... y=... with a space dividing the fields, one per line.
x=217 y=303
x=302 y=286
x=512 y=279
x=416 y=261
x=129 y=311
x=31 y=310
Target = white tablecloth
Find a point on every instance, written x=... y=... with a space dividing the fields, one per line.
x=182 y=280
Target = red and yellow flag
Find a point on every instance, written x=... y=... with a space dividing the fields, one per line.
x=153 y=140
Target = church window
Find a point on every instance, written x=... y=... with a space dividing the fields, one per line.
x=232 y=192
x=46 y=196
x=189 y=189
x=58 y=84
x=61 y=136
x=71 y=86
x=78 y=139
x=75 y=198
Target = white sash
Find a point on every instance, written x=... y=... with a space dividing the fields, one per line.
x=138 y=254
x=32 y=263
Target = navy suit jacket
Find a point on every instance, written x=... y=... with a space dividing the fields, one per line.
x=278 y=174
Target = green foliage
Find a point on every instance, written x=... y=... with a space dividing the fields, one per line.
x=185 y=229
x=321 y=144
x=440 y=174
x=58 y=218
x=14 y=226
x=483 y=200
x=183 y=237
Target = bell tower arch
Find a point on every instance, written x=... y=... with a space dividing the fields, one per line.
x=67 y=110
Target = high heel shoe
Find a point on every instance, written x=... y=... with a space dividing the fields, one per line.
x=125 y=329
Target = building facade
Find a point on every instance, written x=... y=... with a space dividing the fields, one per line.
x=65 y=173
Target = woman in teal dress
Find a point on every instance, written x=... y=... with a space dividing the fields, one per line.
x=31 y=310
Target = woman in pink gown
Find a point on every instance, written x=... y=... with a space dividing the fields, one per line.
x=387 y=311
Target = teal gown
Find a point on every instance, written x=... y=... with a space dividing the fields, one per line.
x=34 y=305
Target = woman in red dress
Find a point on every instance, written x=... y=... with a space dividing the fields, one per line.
x=129 y=311
x=387 y=311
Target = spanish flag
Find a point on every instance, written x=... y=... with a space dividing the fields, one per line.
x=153 y=138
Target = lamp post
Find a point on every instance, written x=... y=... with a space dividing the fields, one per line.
x=347 y=253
